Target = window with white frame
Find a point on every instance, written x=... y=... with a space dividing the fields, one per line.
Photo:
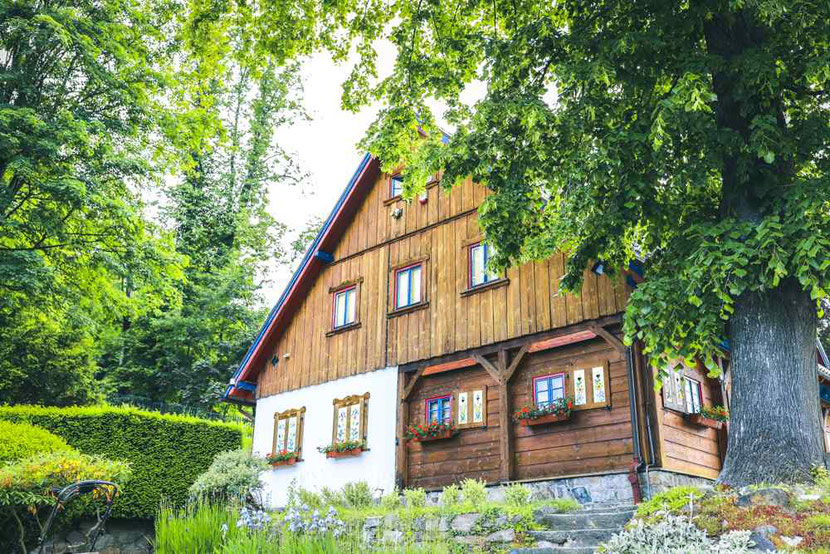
x=345 y=307
x=395 y=185
x=681 y=392
x=408 y=286
x=478 y=261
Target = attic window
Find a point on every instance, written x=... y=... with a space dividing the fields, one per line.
x=345 y=307
x=395 y=185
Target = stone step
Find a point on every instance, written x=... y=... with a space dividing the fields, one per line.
x=557 y=550
x=582 y=538
x=583 y=520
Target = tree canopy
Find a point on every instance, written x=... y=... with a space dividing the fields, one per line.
x=690 y=135
x=136 y=149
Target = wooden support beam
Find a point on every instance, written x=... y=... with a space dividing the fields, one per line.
x=407 y=391
x=489 y=367
x=505 y=432
x=449 y=366
x=514 y=364
x=609 y=338
x=401 y=455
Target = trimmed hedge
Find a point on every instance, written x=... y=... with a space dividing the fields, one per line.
x=19 y=440
x=166 y=452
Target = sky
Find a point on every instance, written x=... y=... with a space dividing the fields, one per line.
x=325 y=147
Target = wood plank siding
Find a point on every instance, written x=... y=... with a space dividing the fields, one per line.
x=592 y=441
x=687 y=447
x=437 y=233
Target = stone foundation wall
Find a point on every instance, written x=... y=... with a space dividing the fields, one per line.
x=121 y=536
x=661 y=480
x=596 y=490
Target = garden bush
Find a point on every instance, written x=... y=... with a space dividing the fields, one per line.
x=166 y=452
x=674 y=534
x=391 y=501
x=21 y=440
x=25 y=490
x=672 y=501
x=358 y=494
x=451 y=495
x=234 y=474
x=474 y=491
x=517 y=495
x=415 y=498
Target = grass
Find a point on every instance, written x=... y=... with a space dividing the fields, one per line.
x=205 y=528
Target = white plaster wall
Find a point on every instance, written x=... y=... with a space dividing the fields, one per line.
x=375 y=466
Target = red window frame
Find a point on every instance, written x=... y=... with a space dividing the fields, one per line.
x=395 y=295
x=447 y=397
x=549 y=376
x=334 y=306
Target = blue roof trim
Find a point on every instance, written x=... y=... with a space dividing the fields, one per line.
x=309 y=255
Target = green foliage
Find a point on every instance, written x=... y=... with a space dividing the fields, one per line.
x=19 y=440
x=473 y=491
x=234 y=474
x=517 y=495
x=25 y=490
x=357 y=494
x=194 y=528
x=391 y=502
x=77 y=121
x=415 y=498
x=674 y=534
x=450 y=495
x=672 y=501
x=166 y=452
x=27 y=482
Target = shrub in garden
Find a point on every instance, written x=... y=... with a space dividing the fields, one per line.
x=232 y=475
x=358 y=494
x=451 y=495
x=473 y=491
x=674 y=534
x=391 y=501
x=415 y=498
x=20 y=440
x=517 y=495
x=672 y=500
x=166 y=452
x=25 y=490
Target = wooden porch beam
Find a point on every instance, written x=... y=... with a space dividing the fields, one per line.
x=609 y=338
x=401 y=455
x=494 y=371
x=407 y=391
x=514 y=364
x=505 y=432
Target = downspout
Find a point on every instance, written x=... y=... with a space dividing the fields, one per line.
x=650 y=436
x=635 y=429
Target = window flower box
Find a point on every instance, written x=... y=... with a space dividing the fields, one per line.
x=713 y=417
x=433 y=431
x=547 y=418
x=558 y=410
x=345 y=453
x=343 y=449
x=703 y=421
x=282 y=458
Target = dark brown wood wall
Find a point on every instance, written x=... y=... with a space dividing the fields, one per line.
x=438 y=232
x=594 y=440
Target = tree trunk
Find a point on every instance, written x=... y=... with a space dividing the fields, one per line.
x=774 y=427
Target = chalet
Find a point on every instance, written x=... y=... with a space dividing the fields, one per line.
x=394 y=321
